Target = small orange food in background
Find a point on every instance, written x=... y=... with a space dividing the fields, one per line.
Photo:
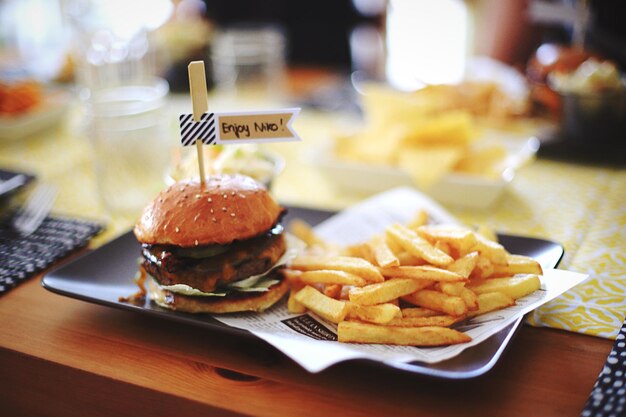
x=19 y=97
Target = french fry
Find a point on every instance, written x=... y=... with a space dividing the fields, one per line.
x=418 y=246
x=470 y=298
x=383 y=256
x=419 y=312
x=515 y=287
x=303 y=231
x=380 y=313
x=329 y=276
x=464 y=265
x=491 y=301
x=393 y=246
x=421 y=272
x=383 y=292
x=483 y=268
x=426 y=165
x=329 y=308
x=356 y=266
x=453 y=128
x=356 y=332
x=435 y=300
x=406 y=259
x=452 y=288
x=484 y=160
x=360 y=250
x=443 y=321
x=345 y=293
x=517 y=264
x=420 y=219
x=494 y=251
x=292 y=275
x=333 y=291
x=460 y=238
x=458 y=289
x=487 y=233
x=443 y=246
x=293 y=306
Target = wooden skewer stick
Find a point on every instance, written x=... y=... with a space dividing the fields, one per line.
x=199 y=103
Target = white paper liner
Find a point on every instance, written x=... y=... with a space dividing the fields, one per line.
x=296 y=334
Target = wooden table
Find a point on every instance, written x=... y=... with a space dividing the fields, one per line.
x=64 y=357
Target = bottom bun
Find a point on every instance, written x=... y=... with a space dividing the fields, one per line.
x=253 y=301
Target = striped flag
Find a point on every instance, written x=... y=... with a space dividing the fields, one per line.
x=239 y=127
x=204 y=130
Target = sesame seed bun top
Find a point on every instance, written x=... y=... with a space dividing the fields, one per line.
x=224 y=209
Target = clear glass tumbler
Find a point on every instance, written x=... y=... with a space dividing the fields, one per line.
x=129 y=131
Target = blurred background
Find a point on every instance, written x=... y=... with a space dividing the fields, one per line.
x=408 y=44
x=411 y=85
x=405 y=41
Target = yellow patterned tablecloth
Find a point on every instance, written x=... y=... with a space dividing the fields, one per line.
x=581 y=207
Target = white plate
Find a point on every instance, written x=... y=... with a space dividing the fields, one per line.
x=458 y=189
x=49 y=113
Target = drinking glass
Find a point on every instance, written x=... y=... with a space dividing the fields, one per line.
x=128 y=128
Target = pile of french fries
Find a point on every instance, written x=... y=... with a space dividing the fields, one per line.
x=431 y=132
x=409 y=285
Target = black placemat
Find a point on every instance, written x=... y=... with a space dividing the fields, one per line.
x=608 y=397
x=23 y=257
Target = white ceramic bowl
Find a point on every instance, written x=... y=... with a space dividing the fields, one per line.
x=457 y=189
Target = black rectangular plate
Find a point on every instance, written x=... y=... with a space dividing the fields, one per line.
x=103 y=275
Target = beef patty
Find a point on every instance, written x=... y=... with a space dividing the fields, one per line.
x=239 y=261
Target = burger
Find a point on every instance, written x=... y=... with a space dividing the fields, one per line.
x=548 y=59
x=214 y=247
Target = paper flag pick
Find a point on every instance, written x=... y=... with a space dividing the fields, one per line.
x=239 y=127
x=204 y=130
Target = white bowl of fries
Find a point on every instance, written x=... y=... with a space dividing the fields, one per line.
x=466 y=189
x=449 y=141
